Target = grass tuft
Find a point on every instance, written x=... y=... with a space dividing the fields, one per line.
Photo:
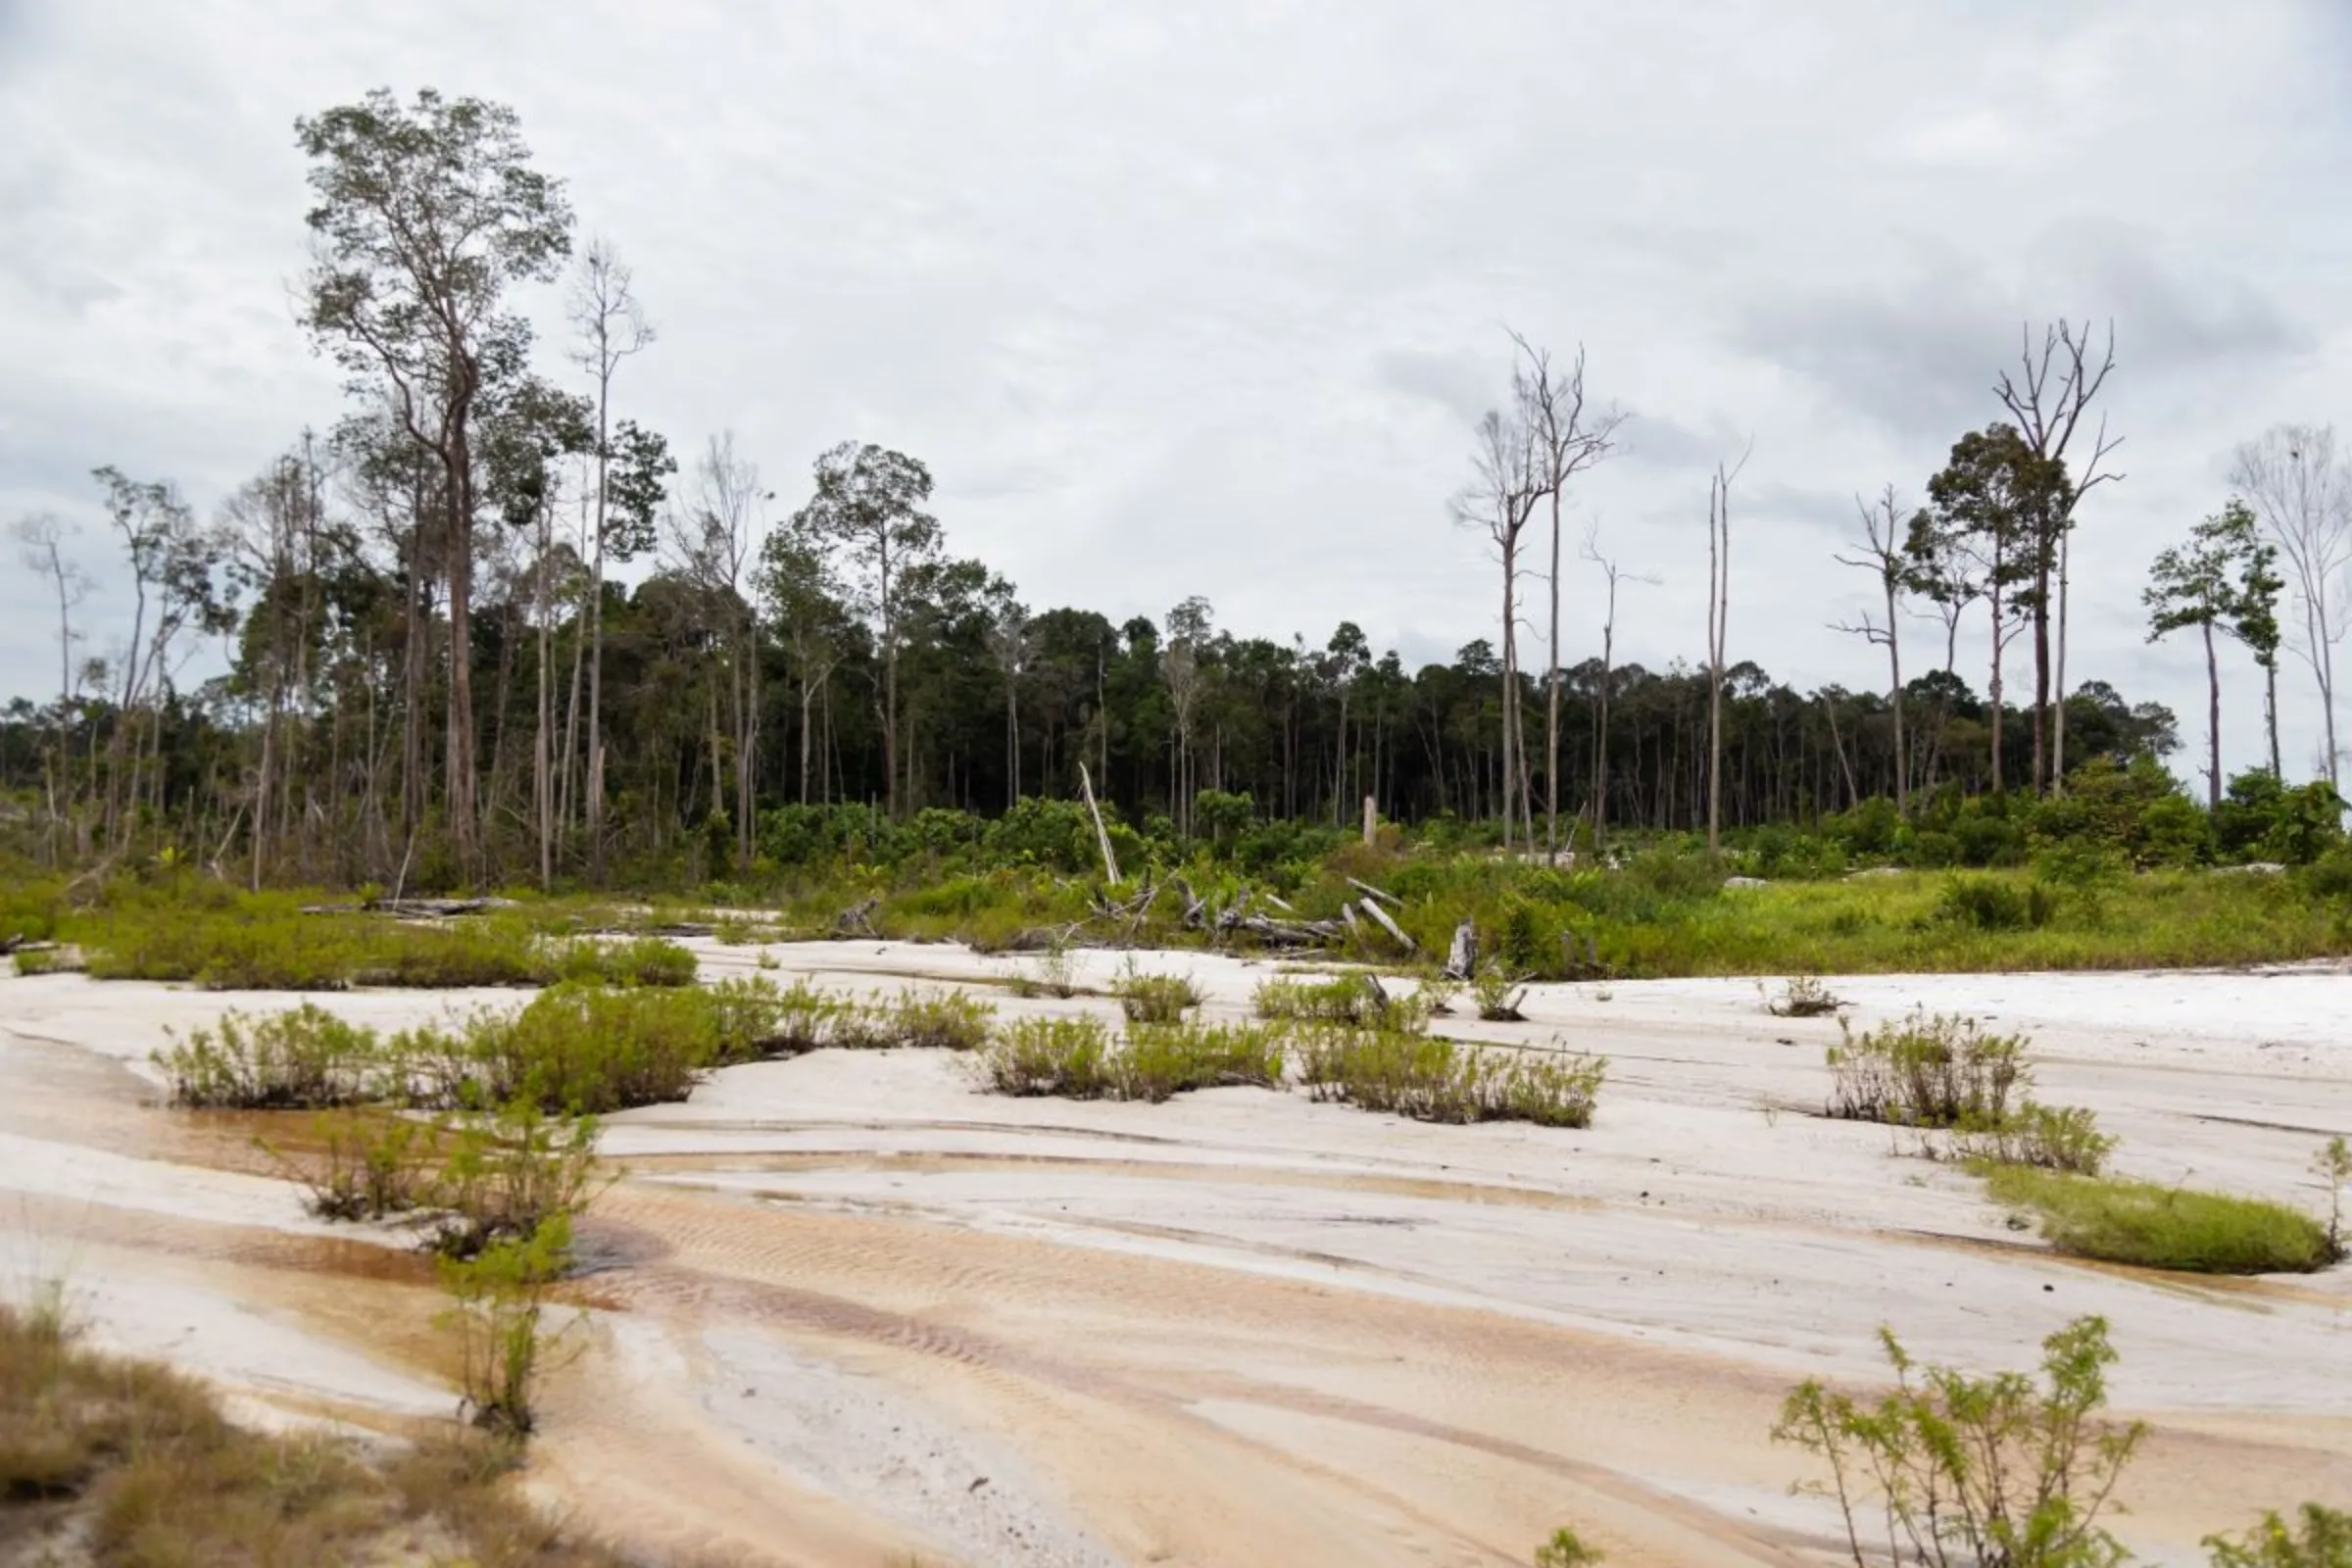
x=2141 y=1223
x=1430 y=1079
x=1927 y=1072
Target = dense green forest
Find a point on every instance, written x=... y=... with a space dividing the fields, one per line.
x=435 y=671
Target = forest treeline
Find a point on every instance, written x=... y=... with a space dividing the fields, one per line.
x=436 y=673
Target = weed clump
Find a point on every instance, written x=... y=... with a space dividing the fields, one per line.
x=2061 y=1137
x=305 y=1057
x=1566 y=1549
x=937 y=1020
x=1802 y=996
x=576 y=1049
x=1927 y=1072
x=1157 y=1060
x=1430 y=1079
x=2323 y=1541
x=1990 y=903
x=2141 y=1223
x=1156 y=998
x=1499 y=994
x=1034 y=1056
x=1950 y=1468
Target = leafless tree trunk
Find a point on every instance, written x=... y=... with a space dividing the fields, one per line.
x=2047 y=399
x=1719 y=594
x=2303 y=492
x=42 y=541
x=1882 y=553
x=1012 y=641
x=1568 y=440
x=716 y=546
x=1614 y=573
x=1500 y=504
x=611 y=327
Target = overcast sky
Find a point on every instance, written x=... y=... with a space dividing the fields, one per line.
x=1207 y=302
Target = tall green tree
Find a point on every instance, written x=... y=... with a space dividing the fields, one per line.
x=2194 y=586
x=868 y=506
x=1989 y=506
x=429 y=214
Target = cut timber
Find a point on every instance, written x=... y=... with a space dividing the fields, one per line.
x=1382 y=894
x=432 y=909
x=1462 y=958
x=1371 y=822
x=1086 y=787
x=1380 y=917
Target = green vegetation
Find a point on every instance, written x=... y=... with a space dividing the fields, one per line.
x=1077 y=1059
x=1804 y=996
x=1927 y=1072
x=1155 y=998
x=127 y=1462
x=2141 y=1223
x=1425 y=1078
x=305 y=1058
x=1499 y=994
x=1566 y=1549
x=1349 y=998
x=1946 y=1468
x=2061 y=1137
x=2318 y=1537
x=501 y=1297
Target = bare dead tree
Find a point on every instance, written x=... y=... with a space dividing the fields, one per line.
x=1614 y=573
x=1882 y=553
x=1499 y=503
x=611 y=326
x=1568 y=438
x=2302 y=491
x=715 y=540
x=1719 y=594
x=41 y=540
x=1012 y=643
x=2047 y=399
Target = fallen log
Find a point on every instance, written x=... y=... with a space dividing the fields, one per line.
x=1396 y=933
x=857 y=920
x=1381 y=894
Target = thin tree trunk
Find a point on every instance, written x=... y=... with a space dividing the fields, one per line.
x=2213 y=723
x=1551 y=701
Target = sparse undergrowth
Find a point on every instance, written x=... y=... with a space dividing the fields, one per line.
x=1155 y=998
x=1078 y=1058
x=1427 y=1078
x=1802 y=995
x=131 y=1463
x=1946 y=1075
x=2141 y=1223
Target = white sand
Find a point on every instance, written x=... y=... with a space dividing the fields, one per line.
x=849 y=1307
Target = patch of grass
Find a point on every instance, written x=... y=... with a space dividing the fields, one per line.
x=1430 y=1079
x=2119 y=1221
x=1349 y=999
x=937 y=1020
x=305 y=1057
x=1996 y=903
x=636 y=961
x=1155 y=998
x=104 y=1459
x=1927 y=1072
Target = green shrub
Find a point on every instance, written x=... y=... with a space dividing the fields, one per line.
x=1499 y=994
x=1802 y=995
x=1566 y=1549
x=1352 y=999
x=1927 y=1072
x=2323 y=1541
x=2065 y=1138
x=369 y=1165
x=2118 y=1221
x=1932 y=850
x=501 y=1296
x=305 y=1058
x=937 y=1020
x=638 y=961
x=1953 y=1469
x=1429 y=1079
x=1155 y=998
x=1156 y=1061
x=576 y=1049
x=1064 y=1056
x=502 y=1177
x=1992 y=904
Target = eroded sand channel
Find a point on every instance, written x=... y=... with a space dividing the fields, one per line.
x=848 y=1308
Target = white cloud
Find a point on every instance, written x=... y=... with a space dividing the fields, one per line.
x=1202 y=301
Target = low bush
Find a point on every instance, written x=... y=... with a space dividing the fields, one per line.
x=2319 y=1538
x=2062 y=1137
x=1499 y=994
x=1927 y=1072
x=1802 y=996
x=108 y=1460
x=576 y=1049
x=1064 y=1056
x=302 y=1058
x=1430 y=1079
x=1953 y=1469
x=1991 y=903
x=370 y=1164
x=502 y=1179
x=2118 y=1221
x=1155 y=998
x=1156 y=1061
x=1350 y=998
x=501 y=1301
x=937 y=1020
x=1566 y=1549
x=637 y=962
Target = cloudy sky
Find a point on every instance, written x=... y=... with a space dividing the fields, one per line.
x=1206 y=299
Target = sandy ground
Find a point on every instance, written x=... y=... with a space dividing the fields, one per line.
x=849 y=1309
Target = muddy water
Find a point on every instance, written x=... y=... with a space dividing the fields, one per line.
x=845 y=1310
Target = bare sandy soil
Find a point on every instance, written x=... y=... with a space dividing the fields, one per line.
x=849 y=1309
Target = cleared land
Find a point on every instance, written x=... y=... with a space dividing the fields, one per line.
x=846 y=1308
